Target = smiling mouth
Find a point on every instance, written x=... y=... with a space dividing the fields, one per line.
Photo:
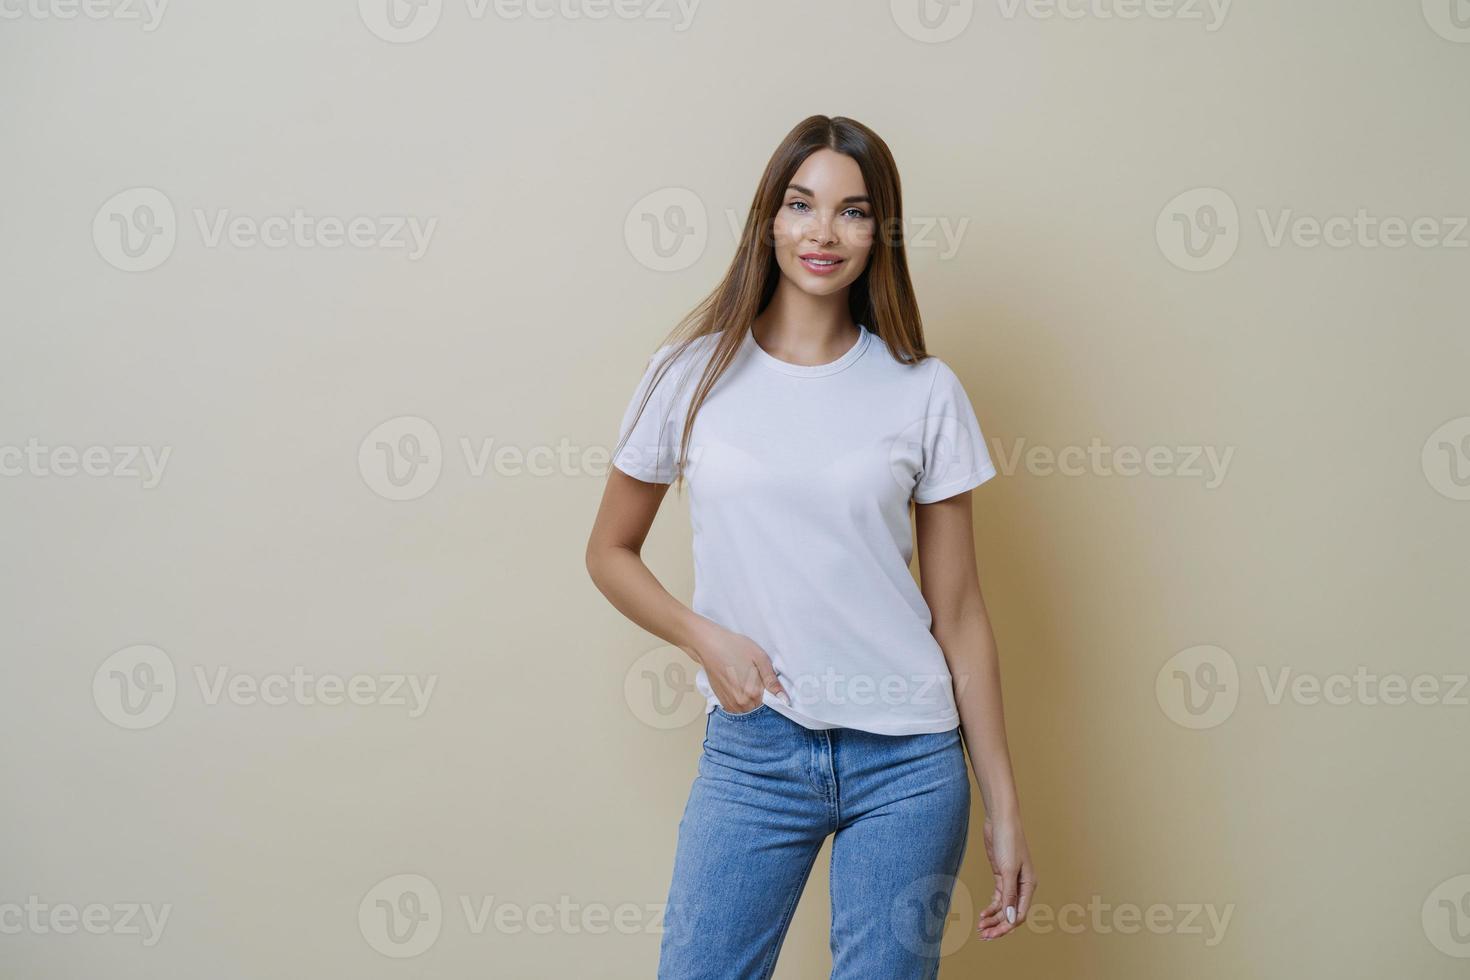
x=821 y=264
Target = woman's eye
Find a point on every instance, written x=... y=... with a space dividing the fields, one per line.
x=855 y=213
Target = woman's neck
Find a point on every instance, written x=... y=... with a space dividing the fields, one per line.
x=805 y=329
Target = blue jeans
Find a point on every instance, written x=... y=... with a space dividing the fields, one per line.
x=768 y=793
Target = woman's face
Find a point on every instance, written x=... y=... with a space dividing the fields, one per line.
x=823 y=232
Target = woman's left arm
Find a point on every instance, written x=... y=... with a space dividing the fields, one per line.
x=950 y=583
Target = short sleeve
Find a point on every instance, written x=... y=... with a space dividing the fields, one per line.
x=954 y=455
x=653 y=445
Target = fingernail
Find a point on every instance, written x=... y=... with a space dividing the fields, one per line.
x=1011 y=914
x=781 y=695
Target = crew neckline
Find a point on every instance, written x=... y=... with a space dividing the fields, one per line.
x=809 y=370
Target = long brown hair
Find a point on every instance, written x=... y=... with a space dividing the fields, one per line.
x=881 y=298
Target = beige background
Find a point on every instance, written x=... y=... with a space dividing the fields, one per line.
x=543 y=779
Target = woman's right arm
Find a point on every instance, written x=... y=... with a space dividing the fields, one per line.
x=737 y=668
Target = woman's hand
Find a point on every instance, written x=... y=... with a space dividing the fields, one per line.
x=1015 y=878
x=737 y=668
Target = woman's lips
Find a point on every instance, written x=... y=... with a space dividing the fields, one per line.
x=818 y=267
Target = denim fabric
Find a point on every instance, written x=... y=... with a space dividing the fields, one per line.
x=768 y=793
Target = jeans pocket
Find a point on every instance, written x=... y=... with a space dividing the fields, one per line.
x=742 y=715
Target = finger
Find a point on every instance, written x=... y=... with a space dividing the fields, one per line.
x=995 y=896
x=745 y=687
x=736 y=677
x=771 y=682
x=736 y=695
x=730 y=702
x=994 y=919
x=992 y=915
x=1028 y=888
x=1013 y=891
x=1007 y=918
x=993 y=925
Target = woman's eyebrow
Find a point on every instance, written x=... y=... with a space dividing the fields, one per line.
x=850 y=199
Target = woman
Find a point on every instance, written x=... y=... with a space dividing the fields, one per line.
x=799 y=404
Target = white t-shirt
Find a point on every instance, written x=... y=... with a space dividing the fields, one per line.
x=799 y=482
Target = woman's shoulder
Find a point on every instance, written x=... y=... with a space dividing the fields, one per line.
x=920 y=368
x=688 y=353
